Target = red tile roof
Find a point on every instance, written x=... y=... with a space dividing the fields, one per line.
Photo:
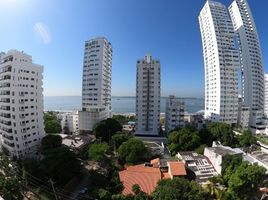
x=146 y=177
x=177 y=168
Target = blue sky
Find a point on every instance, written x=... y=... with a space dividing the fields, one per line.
x=54 y=31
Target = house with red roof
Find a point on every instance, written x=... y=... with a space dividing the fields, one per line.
x=147 y=176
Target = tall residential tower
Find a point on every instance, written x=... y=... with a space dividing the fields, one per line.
x=148 y=96
x=251 y=59
x=96 y=86
x=21 y=104
x=221 y=61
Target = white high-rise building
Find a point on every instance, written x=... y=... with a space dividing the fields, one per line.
x=96 y=86
x=21 y=104
x=251 y=59
x=221 y=61
x=266 y=95
x=69 y=123
x=174 y=116
x=148 y=96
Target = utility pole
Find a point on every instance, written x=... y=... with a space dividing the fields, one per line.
x=52 y=185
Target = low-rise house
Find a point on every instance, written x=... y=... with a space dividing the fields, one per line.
x=77 y=142
x=148 y=175
x=216 y=154
x=199 y=165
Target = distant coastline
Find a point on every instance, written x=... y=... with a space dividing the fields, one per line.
x=120 y=104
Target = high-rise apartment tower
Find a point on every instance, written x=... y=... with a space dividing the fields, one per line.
x=96 y=86
x=251 y=59
x=221 y=61
x=148 y=96
x=21 y=104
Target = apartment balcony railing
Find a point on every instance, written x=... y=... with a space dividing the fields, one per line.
x=8 y=130
x=8 y=137
x=6 y=77
x=4 y=85
x=8 y=123
x=5 y=115
x=5 y=93
x=9 y=144
x=4 y=100
x=7 y=108
x=6 y=69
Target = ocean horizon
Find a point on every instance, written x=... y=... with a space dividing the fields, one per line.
x=120 y=104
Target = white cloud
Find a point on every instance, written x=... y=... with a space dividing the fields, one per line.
x=43 y=32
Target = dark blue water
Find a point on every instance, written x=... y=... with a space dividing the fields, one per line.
x=119 y=104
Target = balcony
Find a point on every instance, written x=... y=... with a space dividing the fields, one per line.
x=6 y=69
x=7 y=123
x=7 y=130
x=7 y=108
x=5 y=93
x=9 y=144
x=4 y=115
x=5 y=77
x=4 y=85
x=4 y=100
x=10 y=138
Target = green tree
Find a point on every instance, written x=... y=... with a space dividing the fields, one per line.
x=206 y=137
x=60 y=164
x=107 y=128
x=245 y=180
x=98 y=152
x=10 y=182
x=104 y=194
x=178 y=188
x=119 y=138
x=52 y=124
x=247 y=139
x=10 y=188
x=133 y=151
x=136 y=188
x=50 y=142
x=222 y=132
x=185 y=139
x=229 y=165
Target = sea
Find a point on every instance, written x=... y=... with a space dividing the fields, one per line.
x=120 y=104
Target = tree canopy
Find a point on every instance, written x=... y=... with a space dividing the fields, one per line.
x=55 y=162
x=178 y=188
x=106 y=129
x=50 y=142
x=133 y=151
x=241 y=179
x=245 y=180
x=119 y=138
x=52 y=124
x=98 y=152
x=247 y=139
x=185 y=139
x=222 y=132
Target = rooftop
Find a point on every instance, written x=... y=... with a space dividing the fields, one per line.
x=220 y=150
x=199 y=164
x=146 y=177
x=176 y=168
x=76 y=141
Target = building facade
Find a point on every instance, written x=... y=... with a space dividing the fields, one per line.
x=251 y=59
x=96 y=86
x=21 y=104
x=221 y=61
x=69 y=123
x=148 y=96
x=174 y=116
x=266 y=95
x=243 y=115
